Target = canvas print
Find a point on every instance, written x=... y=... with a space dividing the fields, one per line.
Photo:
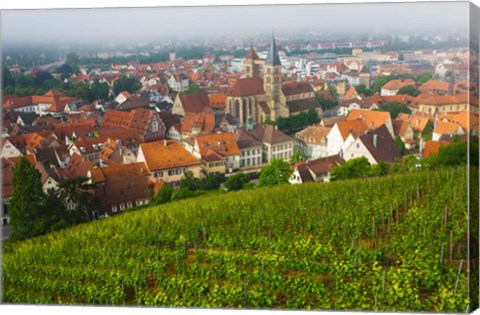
x=283 y=157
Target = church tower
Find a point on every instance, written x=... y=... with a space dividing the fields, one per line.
x=171 y=55
x=251 y=68
x=272 y=79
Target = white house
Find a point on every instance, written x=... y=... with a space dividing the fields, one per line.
x=343 y=134
x=347 y=106
x=8 y=149
x=250 y=149
x=392 y=87
x=122 y=97
x=377 y=146
x=312 y=141
x=315 y=170
x=179 y=82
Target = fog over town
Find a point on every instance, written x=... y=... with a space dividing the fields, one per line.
x=153 y=24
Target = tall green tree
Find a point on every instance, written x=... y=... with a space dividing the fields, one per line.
x=394 y=109
x=192 y=88
x=424 y=77
x=362 y=89
x=40 y=78
x=164 y=195
x=8 y=79
x=237 y=181
x=399 y=144
x=297 y=157
x=354 y=168
x=427 y=132
x=125 y=83
x=312 y=116
x=28 y=204
x=277 y=172
x=409 y=90
x=380 y=81
x=78 y=200
x=72 y=59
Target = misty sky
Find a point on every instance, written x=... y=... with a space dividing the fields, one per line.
x=87 y=25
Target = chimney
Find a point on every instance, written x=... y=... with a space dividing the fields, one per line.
x=375 y=136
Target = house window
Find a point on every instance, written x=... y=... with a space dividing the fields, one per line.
x=185 y=170
x=358 y=145
x=171 y=172
x=159 y=174
x=210 y=164
x=129 y=204
x=114 y=208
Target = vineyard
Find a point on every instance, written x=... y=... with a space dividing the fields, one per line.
x=396 y=243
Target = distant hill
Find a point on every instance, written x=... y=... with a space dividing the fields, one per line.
x=391 y=243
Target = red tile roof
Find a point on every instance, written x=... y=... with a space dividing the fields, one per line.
x=167 y=154
x=247 y=87
x=222 y=143
x=356 y=127
x=218 y=101
x=373 y=119
x=204 y=123
x=195 y=102
x=292 y=88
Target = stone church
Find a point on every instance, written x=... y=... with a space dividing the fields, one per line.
x=263 y=95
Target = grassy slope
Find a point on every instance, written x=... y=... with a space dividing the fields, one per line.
x=379 y=244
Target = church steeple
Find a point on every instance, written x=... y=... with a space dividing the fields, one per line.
x=273 y=59
x=272 y=80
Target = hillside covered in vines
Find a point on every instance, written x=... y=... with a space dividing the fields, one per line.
x=395 y=243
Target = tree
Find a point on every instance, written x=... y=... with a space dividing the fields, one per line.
x=326 y=102
x=362 y=89
x=28 y=204
x=125 y=83
x=409 y=90
x=427 y=132
x=379 y=169
x=77 y=199
x=394 y=109
x=424 y=77
x=190 y=182
x=213 y=182
x=333 y=91
x=164 y=195
x=193 y=88
x=269 y=122
x=354 y=168
x=380 y=81
x=312 y=116
x=100 y=91
x=455 y=154
x=182 y=193
x=399 y=144
x=40 y=78
x=277 y=172
x=237 y=181
x=72 y=59
x=297 y=157
x=8 y=79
